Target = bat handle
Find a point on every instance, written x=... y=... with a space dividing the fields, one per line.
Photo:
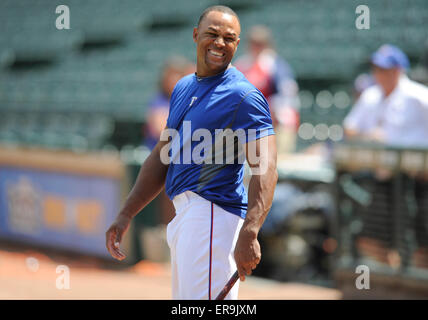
x=228 y=286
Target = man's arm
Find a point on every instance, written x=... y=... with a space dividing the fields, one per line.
x=351 y=133
x=260 y=195
x=149 y=183
x=374 y=135
x=355 y=122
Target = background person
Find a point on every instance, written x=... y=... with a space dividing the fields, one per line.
x=173 y=70
x=395 y=110
x=274 y=77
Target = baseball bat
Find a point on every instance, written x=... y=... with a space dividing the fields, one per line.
x=228 y=286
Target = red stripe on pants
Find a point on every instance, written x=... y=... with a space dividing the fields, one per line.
x=211 y=250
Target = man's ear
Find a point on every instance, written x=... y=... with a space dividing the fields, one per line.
x=195 y=34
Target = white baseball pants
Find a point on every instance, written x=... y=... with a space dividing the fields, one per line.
x=202 y=238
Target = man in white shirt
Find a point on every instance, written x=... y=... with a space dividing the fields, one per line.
x=394 y=111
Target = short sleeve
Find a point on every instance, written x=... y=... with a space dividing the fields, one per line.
x=174 y=104
x=253 y=116
x=171 y=106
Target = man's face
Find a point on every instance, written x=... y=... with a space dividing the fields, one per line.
x=217 y=39
x=386 y=78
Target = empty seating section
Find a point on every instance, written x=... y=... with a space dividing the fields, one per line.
x=65 y=88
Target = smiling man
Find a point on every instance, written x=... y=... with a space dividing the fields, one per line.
x=217 y=38
x=216 y=225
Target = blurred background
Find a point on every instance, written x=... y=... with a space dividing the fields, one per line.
x=81 y=108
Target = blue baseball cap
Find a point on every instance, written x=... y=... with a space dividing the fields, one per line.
x=389 y=56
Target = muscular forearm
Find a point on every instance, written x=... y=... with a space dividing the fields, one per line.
x=262 y=183
x=260 y=194
x=149 y=183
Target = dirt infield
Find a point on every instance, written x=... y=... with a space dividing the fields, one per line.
x=33 y=275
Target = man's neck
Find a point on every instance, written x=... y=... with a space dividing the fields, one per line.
x=387 y=91
x=212 y=75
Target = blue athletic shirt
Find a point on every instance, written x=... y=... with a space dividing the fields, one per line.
x=226 y=100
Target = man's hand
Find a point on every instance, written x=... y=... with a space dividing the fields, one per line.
x=149 y=183
x=114 y=236
x=247 y=252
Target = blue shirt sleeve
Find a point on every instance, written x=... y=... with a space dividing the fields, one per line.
x=176 y=109
x=253 y=116
x=171 y=106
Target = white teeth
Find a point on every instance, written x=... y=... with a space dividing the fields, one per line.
x=216 y=53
